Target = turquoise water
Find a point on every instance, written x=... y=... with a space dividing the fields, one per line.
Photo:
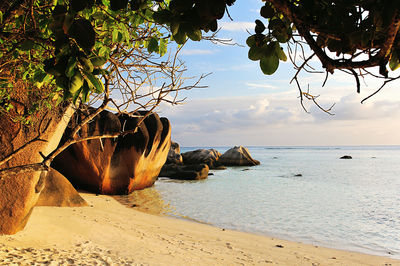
x=346 y=204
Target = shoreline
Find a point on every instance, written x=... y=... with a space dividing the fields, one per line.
x=150 y=201
x=107 y=232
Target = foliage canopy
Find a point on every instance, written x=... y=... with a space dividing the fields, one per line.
x=73 y=49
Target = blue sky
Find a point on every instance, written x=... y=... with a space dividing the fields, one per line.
x=242 y=106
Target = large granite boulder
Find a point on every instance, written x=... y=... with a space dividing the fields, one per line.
x=117 y=165
x=237 y=156
x=174 y=154
x=59 y=192
x=200 y=156
x=19 y=193
x=185 y=172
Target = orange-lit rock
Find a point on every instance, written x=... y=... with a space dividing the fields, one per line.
x=19 y=193
x=120 y=165
x=59 y=192
x=174 y=154
x=207 y=156
x=237 y=156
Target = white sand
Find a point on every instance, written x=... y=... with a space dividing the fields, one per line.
x=109 y=233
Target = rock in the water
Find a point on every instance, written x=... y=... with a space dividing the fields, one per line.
x=237 y=156
x=19 y=192
x=185 y=172
x=59 y=192
x=200 y=156
x=174 y=154
x=117 y=165
x=346 y=157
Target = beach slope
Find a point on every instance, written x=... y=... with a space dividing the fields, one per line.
x=107 y=232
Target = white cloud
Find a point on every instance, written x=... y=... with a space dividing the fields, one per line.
x=197 y=52
x=278 y=119
x=262 y=86
x=237 y=25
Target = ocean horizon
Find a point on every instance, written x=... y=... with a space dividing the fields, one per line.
x=301 y=193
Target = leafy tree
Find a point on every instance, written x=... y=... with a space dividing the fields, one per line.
x=354 y=36
x=90 y=50
x=107 y=53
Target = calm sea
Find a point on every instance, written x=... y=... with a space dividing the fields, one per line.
x=346 y=204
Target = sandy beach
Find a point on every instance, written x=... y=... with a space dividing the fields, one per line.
x=107 y=232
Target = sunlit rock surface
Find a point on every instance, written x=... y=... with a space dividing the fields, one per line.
x=117 y=165
x=59 y=192
x=200 y=156
x=19 y=193
x=237 y=156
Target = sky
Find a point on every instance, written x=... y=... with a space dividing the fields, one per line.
x=242 y=106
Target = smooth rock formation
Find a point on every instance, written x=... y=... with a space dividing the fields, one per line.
x=237 y=156
x=117 y=165
x=174 y=154
x=200 y=156
x=185 y=172
x=59 y=192
x=19 y=193
x=346 y=157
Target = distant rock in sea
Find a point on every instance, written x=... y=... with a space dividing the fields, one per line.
x=346 y=157
x=200 y=156
x=174 y=154
x=237 y=156
x=185 y=172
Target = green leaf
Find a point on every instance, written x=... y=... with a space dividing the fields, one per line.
x=251 y=41
x=152 y=46
x=98 y=61
x=394 y=61
x=83 y=33
x=255 y=53
x=269 y=64
x=162 y=47
x=116 y=36
x=71 y=65
x=279 y=52
x=94 y=82
x=76 y=83
x=174 y=27
x=213 y=25
x=180 y=37
x=99 y=71
x=267 y=11
x=194 y=35
x=87 y=64
x=104 y=52
x=260 y=27
x=39 y=76
x=162 y=17
x=125 y=32
x=85 y=92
